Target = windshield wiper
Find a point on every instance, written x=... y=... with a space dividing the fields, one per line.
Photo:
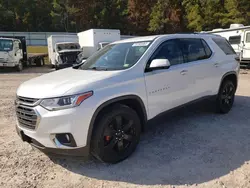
x=98 y=68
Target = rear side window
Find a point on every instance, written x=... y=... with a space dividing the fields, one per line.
x=224 y=46
x=195 y=49
x=235 y=39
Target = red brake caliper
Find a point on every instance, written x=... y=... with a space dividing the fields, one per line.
x=107 y=138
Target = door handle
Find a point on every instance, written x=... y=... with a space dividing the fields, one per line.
x=184 y=72
x=216 y=65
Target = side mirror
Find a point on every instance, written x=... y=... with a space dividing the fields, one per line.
x=237 y=58
x=159 y=64
x=20 y=46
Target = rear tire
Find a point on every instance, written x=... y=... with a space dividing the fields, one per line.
x=116 y=134
x=40 y=62
x=225 y=97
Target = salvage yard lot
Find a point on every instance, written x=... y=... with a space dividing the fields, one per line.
x=191 y=147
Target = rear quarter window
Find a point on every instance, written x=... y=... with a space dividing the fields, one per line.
x=224 y=45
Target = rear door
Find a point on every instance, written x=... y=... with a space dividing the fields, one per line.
x=246 y=46
x=201 y=67
x=18 y=54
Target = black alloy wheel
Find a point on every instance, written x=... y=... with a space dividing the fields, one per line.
x=117 y=134
x=226 y=97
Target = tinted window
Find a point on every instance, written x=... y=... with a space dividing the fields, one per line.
x=207 y=49
x=248 y=38
x=194 y=49
x=235 y=39
x=169 y=50
x=224 y=46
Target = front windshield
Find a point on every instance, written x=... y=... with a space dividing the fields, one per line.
x=6 y=45
x=67 y=46
x=116 y=56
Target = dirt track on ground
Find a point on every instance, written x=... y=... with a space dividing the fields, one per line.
x=191 y=147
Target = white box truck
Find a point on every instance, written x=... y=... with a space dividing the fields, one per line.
x=60 y=44
x=13 y=53
x=238 y=36
x=94 y=39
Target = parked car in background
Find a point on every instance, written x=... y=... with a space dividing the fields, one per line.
x=101 y=106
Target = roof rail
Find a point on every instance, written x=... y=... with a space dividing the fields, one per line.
x=188 y=33
x=200 y=33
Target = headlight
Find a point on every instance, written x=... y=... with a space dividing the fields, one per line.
x=59 y=60
x=65 y=102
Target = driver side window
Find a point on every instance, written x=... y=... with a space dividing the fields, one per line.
x=169 y=50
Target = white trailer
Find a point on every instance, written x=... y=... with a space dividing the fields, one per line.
x=53 y=40
x=239 y=37
x=94 y=39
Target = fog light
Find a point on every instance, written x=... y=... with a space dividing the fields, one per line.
x=65 y=139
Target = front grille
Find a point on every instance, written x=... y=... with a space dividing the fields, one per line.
x=69 y=58
x=29 y=101
x=26 y=117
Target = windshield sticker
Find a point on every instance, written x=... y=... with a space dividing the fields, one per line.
x=141 y=44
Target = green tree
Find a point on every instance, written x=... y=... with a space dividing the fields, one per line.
x=166 y=17
x=203 y=14
x=64 y=15
x=139 y=16
x=235 y=12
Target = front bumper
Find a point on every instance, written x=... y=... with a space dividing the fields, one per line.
x=75 y=121
x=8 y=64
x=64 y=65
x=82 y=151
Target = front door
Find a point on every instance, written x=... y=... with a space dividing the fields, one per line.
x=18 y=55
x=246 y=46
x=167 y=88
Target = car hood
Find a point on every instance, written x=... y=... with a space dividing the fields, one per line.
x=69 y=50
x=64 y=82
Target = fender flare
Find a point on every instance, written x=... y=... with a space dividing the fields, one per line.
x=227 y=74
x=109 y=102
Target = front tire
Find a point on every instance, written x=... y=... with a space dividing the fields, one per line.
x=57 y=67
x=116 y=134
x=19 y=67
x=225 y=97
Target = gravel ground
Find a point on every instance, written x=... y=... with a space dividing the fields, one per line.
x=191 y=147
